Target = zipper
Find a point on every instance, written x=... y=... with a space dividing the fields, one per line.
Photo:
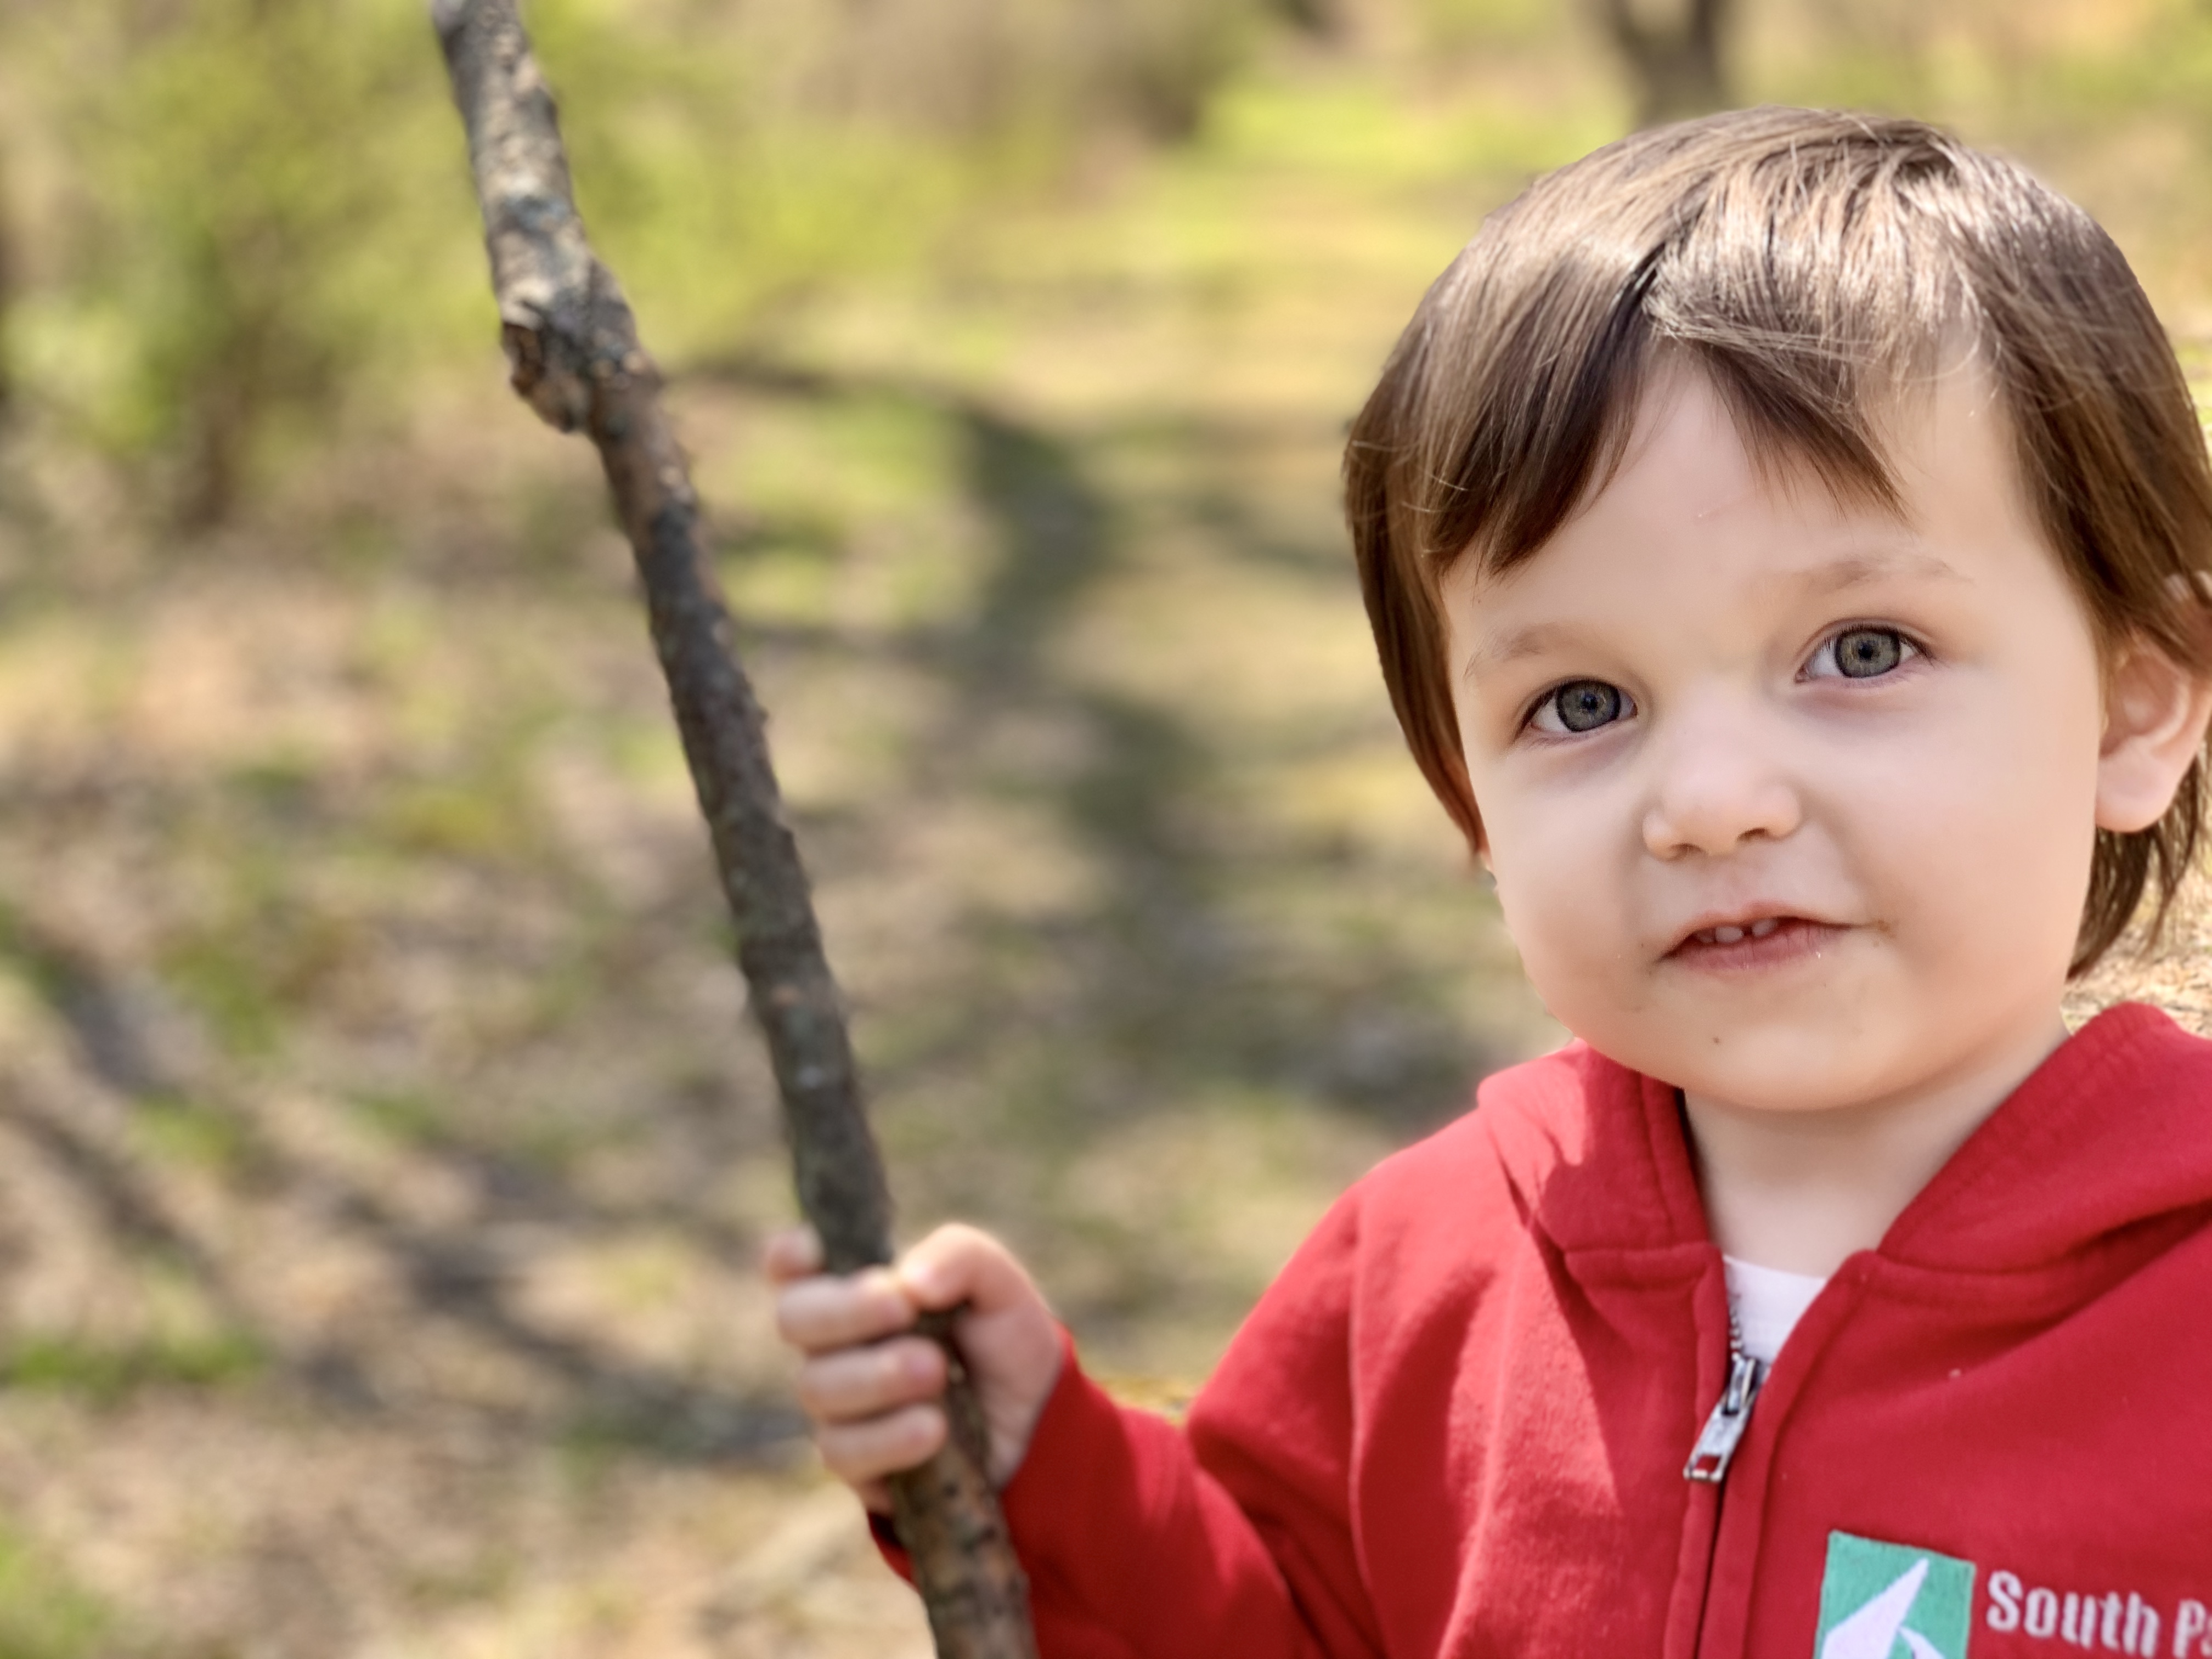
x=1724 y=1430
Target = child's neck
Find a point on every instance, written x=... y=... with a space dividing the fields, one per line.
x=1801 y=1191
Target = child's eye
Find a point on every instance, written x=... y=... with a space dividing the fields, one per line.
x=1580 y=705
x=1860 y=654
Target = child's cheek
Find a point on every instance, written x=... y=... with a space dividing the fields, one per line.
x=1567 y=922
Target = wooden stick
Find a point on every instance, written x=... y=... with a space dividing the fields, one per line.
x=573 y=345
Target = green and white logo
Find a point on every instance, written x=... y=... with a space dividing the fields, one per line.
x=1890 y=1601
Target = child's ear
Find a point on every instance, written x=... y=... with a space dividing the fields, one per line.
x=2156 y=713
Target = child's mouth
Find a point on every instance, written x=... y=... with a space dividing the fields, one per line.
x=1760 y=942
x=1726 y=934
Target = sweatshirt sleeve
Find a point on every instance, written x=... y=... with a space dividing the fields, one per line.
x=1142 y=1541
x=1273 y=1428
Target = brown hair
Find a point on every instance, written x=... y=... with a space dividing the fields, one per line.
x=1811 y=264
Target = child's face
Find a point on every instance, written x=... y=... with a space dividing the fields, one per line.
x=1789 y=804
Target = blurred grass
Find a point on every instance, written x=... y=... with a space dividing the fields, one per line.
x=384 y=1151
x=42 y=1615
x=104 y=1376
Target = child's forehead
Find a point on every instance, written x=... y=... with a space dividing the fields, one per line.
x=1686 y=448
x=1696 y=488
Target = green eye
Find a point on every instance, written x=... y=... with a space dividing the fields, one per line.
x=1865 y=653
x=1584 y=705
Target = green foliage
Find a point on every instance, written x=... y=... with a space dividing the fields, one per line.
x=247 y=207
x=261 y=225
x=250 y=228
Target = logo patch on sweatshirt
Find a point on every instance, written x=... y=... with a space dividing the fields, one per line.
x=1892 y=1601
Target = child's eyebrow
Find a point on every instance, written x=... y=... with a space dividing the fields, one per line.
x=1831 y=576
x=1495 y=650
x=1858 y=569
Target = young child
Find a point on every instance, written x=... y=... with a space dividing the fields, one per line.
x=1785 y=535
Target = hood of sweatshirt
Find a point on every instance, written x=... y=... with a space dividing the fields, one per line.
x=2105 y=1147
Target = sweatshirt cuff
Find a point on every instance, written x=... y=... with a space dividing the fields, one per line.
x=1073 y=1413
x=1076 y=1415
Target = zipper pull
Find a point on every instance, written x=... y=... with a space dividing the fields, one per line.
x=1716 y=1442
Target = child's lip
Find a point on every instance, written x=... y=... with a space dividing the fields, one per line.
x=1733 y=930
x=1784 y=940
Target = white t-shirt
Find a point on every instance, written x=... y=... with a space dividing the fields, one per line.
x=1767 y=1303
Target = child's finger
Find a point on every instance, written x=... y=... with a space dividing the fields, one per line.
x=848 y=1384
x=875 y=1495
x=857 y=1453
x=958 y=1264
x=827 y=1311
x=793 y=1252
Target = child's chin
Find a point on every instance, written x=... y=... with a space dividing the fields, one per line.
x=1817 y=1062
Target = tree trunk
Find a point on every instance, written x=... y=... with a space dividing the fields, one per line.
x=1678 y=64
x=573 y=348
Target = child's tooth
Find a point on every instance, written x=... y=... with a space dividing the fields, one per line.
x=1761 y=929
x=1727 y=935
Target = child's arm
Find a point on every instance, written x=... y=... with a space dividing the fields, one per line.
x=1133 y=1549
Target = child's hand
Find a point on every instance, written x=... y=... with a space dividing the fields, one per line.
x=872 y=1394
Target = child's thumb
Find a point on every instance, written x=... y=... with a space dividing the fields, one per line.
x=958 y=1264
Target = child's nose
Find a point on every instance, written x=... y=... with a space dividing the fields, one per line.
x=1719 y=785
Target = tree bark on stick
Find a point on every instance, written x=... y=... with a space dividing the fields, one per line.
x=572 y=346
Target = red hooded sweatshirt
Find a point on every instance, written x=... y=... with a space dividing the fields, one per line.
x=1458 y=1424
